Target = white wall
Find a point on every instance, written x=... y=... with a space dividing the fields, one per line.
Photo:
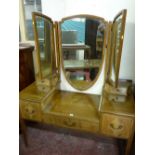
x=107 y=9
x=53 y=8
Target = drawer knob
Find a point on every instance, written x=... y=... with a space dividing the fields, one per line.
x=116 y=127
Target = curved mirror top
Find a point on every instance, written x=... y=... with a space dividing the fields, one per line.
x=82 y=49
x=117 y=37
x=43 y=28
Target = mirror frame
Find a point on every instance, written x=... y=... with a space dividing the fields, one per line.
x=111 y=49
x=104 y=49
x=38 y=75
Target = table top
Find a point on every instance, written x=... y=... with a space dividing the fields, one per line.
x=35 y=92
x=126 y=108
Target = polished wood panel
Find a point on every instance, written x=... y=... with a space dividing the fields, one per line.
x=72 y=104
x=124 y=108
x=61 y=108
x=33 y=99
x=30 y=110
x=79 y=111
x=71 y=122
x=73 y=110
x=118 y=119
x=35 y=92
x=90 y=126
x=116 y=126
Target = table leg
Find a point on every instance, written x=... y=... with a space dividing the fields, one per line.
x=23 y=129
x=129 y=143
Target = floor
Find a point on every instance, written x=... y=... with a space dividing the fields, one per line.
x=49 y=140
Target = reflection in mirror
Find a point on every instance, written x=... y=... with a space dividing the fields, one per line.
x=82 y=49
x=118 y=27
x=44 y=42
x=116 y=40
x=116 y=46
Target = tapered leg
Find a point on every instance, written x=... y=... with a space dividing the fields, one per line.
x=23 y=129
x=129 y=143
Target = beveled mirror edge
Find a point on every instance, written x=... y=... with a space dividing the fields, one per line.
x=38 y=76
x=111 y=82
x=103 y=50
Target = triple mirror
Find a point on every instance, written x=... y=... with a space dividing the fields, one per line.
x=82 y=41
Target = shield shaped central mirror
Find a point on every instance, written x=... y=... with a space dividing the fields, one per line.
x=83 y=41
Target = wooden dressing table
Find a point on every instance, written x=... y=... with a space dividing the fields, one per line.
x=79 y=111
x=43 y=101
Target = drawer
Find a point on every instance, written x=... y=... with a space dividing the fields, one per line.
x=89 y=126
x=116 y=126
x=72 y=122
x=30 y=111
x=48 y=118
x=67 y=122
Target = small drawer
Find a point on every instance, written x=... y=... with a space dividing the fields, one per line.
x=116 y=126
x=30 y=111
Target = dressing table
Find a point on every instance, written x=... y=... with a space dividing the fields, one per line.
x=92 y=44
